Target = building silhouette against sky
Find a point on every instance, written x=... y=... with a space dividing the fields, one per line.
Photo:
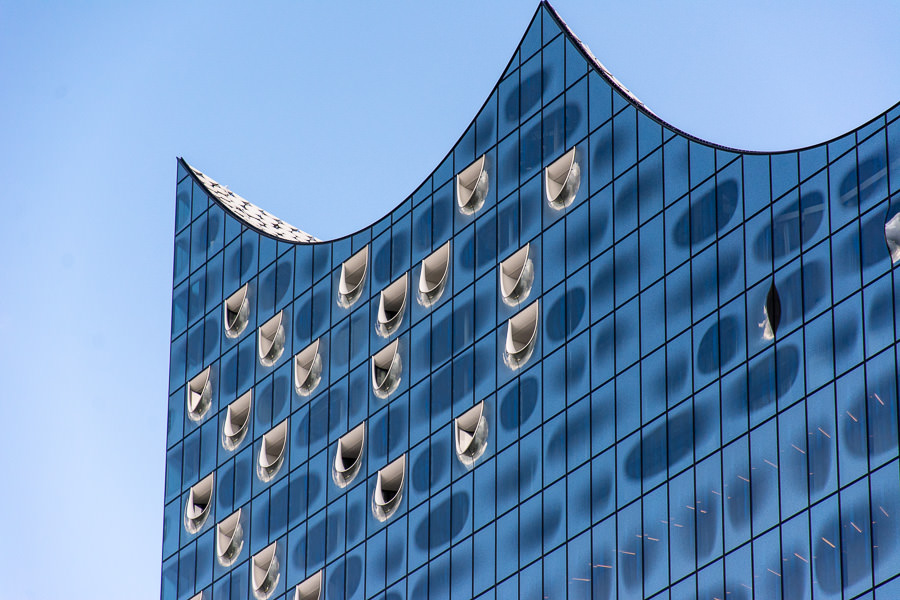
x=590 y=357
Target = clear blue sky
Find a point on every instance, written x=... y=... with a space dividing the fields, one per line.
x=325 y=115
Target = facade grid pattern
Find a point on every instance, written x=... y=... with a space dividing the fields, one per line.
x=710 y=409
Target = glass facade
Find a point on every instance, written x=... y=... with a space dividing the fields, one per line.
x=590 y=357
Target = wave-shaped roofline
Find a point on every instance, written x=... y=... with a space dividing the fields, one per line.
x=271 y=226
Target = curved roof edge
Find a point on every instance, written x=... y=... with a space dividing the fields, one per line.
x=269 y=225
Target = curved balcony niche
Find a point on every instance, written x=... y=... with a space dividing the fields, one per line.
x=772 y=314
x=521 y=334
x=265 y=571
x=470 y=432
x=516 y=276
x=271 y=340
x=562 y=179
x=472 y=186
x=353 y=278
x=386 y=368
x=348 y=457
x=237 y=421
x=271 y=452
x=307 y=369
x=199 y=395
x=892 y=237
x=389 y=489
x=309 y=589
x=392 y=305
x=433 y=275
x=229 y=539
x=199 y=503
x=237 y=312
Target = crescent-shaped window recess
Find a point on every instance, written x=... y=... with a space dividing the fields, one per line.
x=516 y=276
x=521 y=334
x=237 y=421
x=472 y=186
x=772 y=314
x=892 y=236
x=353 y=277
x=391 y=306
x=229 y=539
x=389 y=489
x=348 y=457
x=271 y=452
x=433 y=276
x=271 y=340
x=470 y=432
x=199 y=503
x=237 y=312
x=561 y=179
x=199 y=395
x=307 y=369
x=264 y=571
x=386 y=368
x=309 y=589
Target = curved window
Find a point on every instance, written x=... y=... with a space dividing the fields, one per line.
x=391 y=306
x=271 y=451
x=353 y=277
x=892 y=236
x=470 y=432
x=433 y=276
x=521 y=334
x=271 y=341
x=472 y=186
x=229 y=539
x=237 y=421
x=307 y=369
x=199 y=395
x=386 y=368
x=772 y=314
x=237 y=312
x=199 y=503
x=561 y=179
x=264 y=571
x=389 y=489
x=516 y=276
x=348 y=458
x=309 y=589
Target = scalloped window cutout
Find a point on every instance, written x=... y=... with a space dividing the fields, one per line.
x=199 y=503
x=307 y=369
x=521 y=335
x=472 y=186
x=562 y=179
x=386 y=369
x=229 y=539
x=470 y=432
x=348 y=457
x=892 y=237
x=271 y=452
x=391 y=306
x=237 y=312
x=389 y=489
x=271 y=340
x=199 y=395
x=433 y=275
x=771 y=314
x=265 y=571
x=309 y=589
x=353 y=277
x=516 y=276
x=237 y=421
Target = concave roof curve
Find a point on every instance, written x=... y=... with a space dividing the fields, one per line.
x=267 y=224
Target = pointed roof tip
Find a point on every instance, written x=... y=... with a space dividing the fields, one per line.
x=246 y=212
